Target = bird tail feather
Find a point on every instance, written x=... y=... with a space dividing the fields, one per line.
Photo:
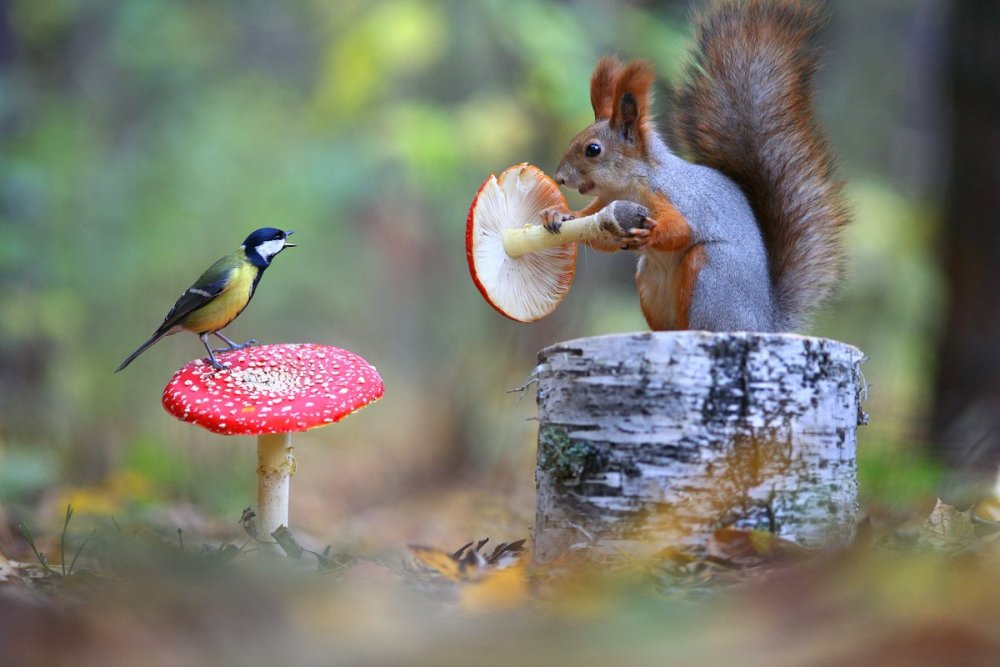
x=142 y=348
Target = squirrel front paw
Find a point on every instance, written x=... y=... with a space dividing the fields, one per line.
x=552 y=218
x=631 y=224
x=637 y=237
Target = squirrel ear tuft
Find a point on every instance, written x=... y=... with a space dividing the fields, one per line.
x=631 y=107
x=602 y=87
x=628 y=112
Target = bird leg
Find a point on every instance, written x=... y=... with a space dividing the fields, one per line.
x=211 y=357
x=232 y=344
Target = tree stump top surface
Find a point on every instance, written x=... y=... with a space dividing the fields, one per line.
x=686 y=338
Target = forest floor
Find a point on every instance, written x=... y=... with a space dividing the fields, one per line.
x=926 y=592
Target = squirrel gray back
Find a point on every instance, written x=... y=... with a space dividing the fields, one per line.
x=745 y=108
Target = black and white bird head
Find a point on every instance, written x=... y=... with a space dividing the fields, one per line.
x=262 y=245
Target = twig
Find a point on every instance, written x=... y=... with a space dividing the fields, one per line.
x=581 y=529
x=31 y=543
x=80 y=550
x=62 y=540
x=532 y=379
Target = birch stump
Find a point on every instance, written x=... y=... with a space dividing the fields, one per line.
x=653 y=440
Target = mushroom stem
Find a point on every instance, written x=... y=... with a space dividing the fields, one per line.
x=532 y=238
x=275 y=467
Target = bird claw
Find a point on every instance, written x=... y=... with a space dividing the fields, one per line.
x=236 y=346
x=216 y=365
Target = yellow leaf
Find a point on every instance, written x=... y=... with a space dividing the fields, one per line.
x=496 y=589
x=439 y=561
x=111 y=495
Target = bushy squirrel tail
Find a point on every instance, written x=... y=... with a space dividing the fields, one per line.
x=745 y=109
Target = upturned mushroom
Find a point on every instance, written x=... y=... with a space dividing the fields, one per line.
x=272 y=391
x=524 y=269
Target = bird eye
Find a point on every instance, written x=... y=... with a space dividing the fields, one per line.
x=593 y=150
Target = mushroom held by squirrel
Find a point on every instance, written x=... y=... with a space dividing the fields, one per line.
x=272 y=391
x=744 y=231
x=524 y=269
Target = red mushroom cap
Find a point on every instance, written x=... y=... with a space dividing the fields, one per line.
x=272 y=389
x=529 y=287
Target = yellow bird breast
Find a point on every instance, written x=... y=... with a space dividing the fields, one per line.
x=223 y=309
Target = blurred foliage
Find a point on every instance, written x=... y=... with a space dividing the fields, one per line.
x=141 y=140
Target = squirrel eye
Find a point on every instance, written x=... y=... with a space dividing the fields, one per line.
x=593 y=150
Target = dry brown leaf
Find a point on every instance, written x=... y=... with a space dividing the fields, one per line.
x=440 y=562
x=496 y=589
x=485 y=583
x=947 y=528
x=751 y=546
x=468 y=563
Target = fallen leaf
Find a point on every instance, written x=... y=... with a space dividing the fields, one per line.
x=248 y=523
x=440 y=562
x=747 y=547
x=947 y=528
x=468 y=563
x=496 y=589
x=286 y=540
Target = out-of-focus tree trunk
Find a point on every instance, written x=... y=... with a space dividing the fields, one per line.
x=967 y=415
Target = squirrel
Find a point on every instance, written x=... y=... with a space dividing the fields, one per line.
x=746 y=236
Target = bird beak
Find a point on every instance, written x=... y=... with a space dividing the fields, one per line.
x=287 y=234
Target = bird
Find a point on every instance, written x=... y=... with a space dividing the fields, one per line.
x=220 y=294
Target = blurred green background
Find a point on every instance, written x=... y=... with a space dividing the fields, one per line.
x=141 y=140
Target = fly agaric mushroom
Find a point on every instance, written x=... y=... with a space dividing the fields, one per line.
x=271 y=391
x=521 y=268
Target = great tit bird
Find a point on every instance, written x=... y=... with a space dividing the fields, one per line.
x=221 y=294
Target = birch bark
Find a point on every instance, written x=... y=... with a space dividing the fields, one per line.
x=652 y=440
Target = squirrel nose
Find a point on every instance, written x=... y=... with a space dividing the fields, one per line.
x=562 y=175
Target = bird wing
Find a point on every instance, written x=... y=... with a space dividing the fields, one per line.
x=210 y=285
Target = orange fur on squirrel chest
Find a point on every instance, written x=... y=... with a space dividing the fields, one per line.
x=668 y=268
